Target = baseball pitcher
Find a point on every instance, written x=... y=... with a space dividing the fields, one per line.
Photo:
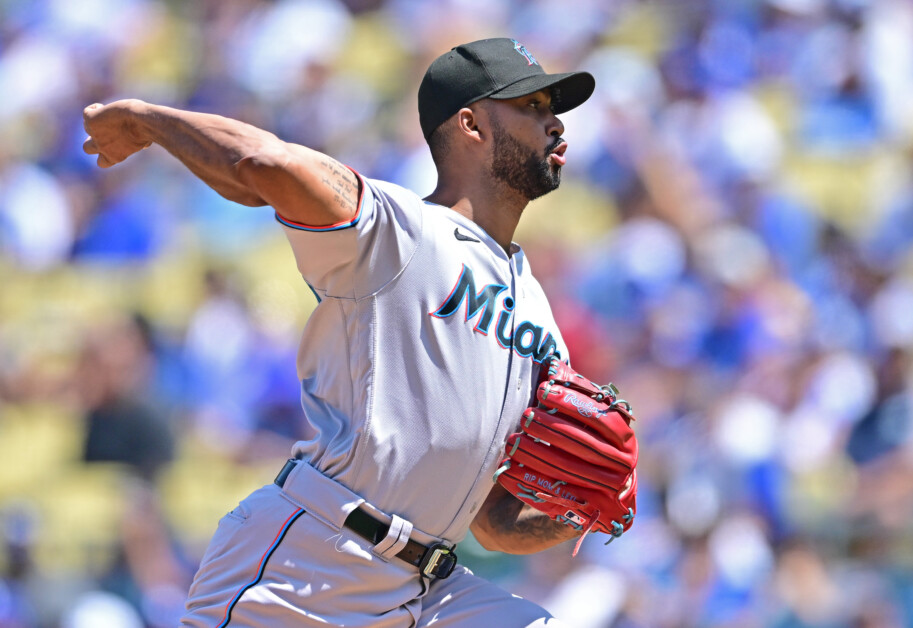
x=432 y=372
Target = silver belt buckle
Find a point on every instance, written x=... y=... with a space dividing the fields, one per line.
x=438 y=562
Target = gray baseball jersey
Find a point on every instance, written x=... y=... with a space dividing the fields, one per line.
x=420 y=357
x=414 y=367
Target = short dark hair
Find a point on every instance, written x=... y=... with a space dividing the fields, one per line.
x=439 y=142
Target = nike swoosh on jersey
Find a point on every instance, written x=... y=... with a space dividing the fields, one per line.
x=463 y=238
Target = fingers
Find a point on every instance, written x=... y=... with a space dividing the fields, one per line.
x=87 y=113
x=91 y=148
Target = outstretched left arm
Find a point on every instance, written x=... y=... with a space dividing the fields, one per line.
x=505 y=524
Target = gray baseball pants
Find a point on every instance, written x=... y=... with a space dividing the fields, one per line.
x=284 y=558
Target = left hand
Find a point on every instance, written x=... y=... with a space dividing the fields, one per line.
x=505 y=524
x=575 y=455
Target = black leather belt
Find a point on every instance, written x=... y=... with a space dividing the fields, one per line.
x=435 y=561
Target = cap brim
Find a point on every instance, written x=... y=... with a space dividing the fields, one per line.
x=569 y=90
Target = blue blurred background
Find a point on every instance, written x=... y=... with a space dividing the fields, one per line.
x=731 y=247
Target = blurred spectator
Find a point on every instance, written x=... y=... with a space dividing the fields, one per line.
x=115 y=374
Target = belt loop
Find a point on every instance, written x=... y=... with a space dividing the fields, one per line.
x=396 y=539
x=290 y=465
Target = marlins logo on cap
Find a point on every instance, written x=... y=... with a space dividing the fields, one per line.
x=526 y=53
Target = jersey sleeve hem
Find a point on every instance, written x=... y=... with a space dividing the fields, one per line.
x=343 y=224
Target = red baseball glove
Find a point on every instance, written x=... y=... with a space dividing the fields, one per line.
x=575 y=455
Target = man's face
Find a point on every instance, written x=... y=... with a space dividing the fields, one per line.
x=525 y=135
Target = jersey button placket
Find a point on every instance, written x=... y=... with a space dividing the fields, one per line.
x=518 y=366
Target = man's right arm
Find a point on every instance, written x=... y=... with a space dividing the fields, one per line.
x=241 y=162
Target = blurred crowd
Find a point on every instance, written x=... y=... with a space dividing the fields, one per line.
x=730 y=246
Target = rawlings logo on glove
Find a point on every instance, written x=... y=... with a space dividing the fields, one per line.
x=575 y=455
x=584 y=408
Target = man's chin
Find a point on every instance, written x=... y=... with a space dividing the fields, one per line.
x=551 y=187
x=554 y=180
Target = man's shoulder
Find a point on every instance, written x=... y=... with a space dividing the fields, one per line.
x=394 y=192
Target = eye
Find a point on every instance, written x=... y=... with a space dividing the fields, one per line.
x=538 y=104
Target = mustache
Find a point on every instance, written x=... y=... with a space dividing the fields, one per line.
x=558 y=142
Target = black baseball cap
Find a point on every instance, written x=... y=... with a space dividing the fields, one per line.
x=492 y=68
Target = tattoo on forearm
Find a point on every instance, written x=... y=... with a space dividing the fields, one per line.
x=510 y=517
x=342 y=181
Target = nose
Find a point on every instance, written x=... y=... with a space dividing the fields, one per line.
x=555 y=126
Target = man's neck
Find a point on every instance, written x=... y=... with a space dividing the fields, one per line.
x=495 y=210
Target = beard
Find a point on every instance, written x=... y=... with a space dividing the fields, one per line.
x=520 y=168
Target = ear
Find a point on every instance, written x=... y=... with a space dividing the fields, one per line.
x=468 y=122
